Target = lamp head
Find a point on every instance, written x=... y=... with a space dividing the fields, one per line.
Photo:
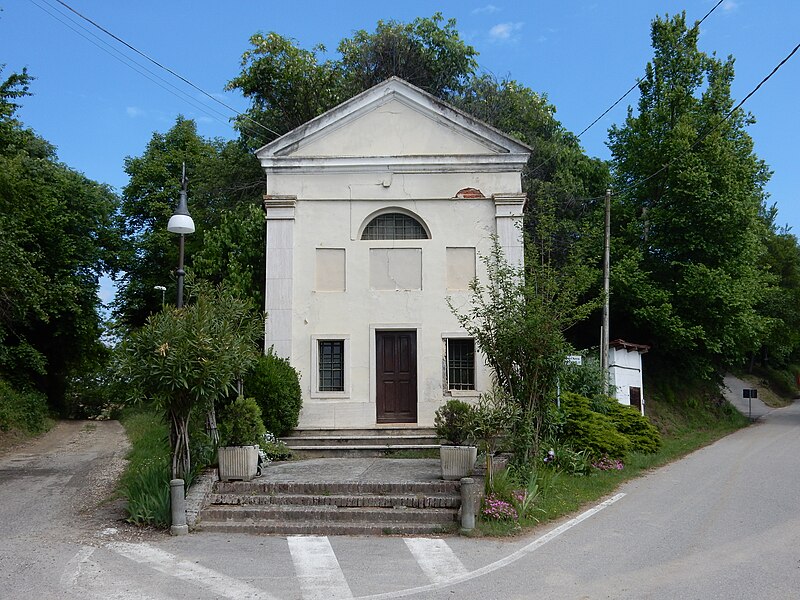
x=181 y=221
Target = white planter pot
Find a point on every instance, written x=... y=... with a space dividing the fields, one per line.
x=457 y=461
x=237 y=462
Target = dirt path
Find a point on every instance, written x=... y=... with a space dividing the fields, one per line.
x=55 y=495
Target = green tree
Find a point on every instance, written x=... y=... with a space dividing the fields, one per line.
x=186 y=359
x=58 y=235
x=288 y=86
x=689 y=227
x=225 y=184
x=780 y=304
x=428 y=53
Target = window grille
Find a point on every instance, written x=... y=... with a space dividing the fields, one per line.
x=394 y=226
x=460 y=364
x=331 y=365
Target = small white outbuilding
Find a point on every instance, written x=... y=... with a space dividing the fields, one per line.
x=377 y=211
x=625 y=372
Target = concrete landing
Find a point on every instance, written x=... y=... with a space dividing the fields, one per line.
x=353 y=470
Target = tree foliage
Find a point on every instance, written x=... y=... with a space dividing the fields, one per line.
x=58 y=235
x=224 y=189
x=288 y=86
x=688 y=245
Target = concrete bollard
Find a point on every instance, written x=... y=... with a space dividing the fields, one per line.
x=178 y=502
x=469 y=499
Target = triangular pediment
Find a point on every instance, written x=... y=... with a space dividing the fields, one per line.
x=392 y=122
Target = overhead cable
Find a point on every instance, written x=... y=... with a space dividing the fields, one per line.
x=165 y=68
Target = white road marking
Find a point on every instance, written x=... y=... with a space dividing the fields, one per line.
x=317 y=569
x=503 y=562
x=164 y=562
x=73 y=568
x=436 y=559
x=97 y=583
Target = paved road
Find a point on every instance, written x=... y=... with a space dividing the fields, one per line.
x=723 y=523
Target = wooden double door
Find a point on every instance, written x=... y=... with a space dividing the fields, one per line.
x=396 y=376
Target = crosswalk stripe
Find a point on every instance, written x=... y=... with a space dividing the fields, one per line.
x=317 y=569
x=436 y=559
x=164 y=562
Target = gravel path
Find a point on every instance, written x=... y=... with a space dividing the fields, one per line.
x=56 y=496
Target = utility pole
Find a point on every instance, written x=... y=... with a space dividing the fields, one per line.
x=606 y=276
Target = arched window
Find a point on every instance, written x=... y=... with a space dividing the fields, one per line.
x=394 y=226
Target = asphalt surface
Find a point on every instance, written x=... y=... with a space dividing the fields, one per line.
x=722 y=523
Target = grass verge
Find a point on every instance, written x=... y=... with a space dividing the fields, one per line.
x=145 y=483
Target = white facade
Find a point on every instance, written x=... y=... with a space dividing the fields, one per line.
x=625 y=372
x=342 y=308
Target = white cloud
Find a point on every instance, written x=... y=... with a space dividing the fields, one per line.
x=488 y=9
x=504 y=31
x=730 y=5
x=134 y=111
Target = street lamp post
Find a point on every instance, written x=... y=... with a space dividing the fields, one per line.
x=181 y=222
x=162 y=289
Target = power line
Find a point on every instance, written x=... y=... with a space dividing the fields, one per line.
x=128 y=62
x=635 y=85
x=165 y=68
x=708 y=132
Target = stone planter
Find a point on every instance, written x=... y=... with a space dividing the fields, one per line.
x=457 y=461
x=237 y=462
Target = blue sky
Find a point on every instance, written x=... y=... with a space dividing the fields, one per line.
x=582 y=54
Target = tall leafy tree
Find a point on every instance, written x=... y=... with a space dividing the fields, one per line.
x=688 y=215
x=288 y=86
x=780 y=304
x=58 y=235
x=224 y=180
x=560 y=180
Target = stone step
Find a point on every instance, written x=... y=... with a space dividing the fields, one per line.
x=330 y=498
x=329 y=488
x=375 y=431
x=283 y=513
x=388 y=441
x=376 y=442
x=342 y=501
x=329 y=528
x=358 y=451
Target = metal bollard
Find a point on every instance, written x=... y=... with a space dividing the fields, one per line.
x=469 y=499
x=178 y=502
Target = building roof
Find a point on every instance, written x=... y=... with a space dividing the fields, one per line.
x=394 y=124
x=623 y=345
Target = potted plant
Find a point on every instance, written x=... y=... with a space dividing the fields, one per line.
x=453 y=424
x=241 y=431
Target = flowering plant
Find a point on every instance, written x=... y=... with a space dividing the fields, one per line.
x=608 y=464
x=498 y=510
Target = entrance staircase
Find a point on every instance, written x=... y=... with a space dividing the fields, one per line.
x=332 y=508
x=382 y=441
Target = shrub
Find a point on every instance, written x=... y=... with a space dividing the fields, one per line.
x=25 y=410
x=242 y=424
x=643 y=435
x=453 y=422
x=585 y=428
x=275 y=385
